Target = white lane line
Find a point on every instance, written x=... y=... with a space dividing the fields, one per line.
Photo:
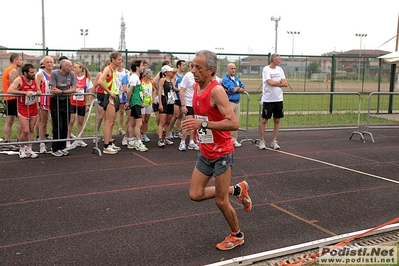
x=334 y=165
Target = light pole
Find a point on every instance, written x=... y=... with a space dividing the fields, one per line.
x=84 y=33
x=361 y=35
x=276 y=19
x=293 y=35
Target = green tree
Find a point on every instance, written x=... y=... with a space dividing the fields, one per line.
x=222 y=67
x=158 y=66
x=313 y=67
x=238 y=67
x=92 y=66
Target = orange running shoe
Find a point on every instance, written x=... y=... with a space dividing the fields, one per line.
x=231 y=242
x=244 y=196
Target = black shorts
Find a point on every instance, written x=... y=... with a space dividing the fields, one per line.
x=100 y=99
x=155 y=107
x=81 y=110
x=272 y=108
x=107 y=101
x=178 y=102
x=168 y=109
x=11 y=107
x=135 y=111
x=190 y=110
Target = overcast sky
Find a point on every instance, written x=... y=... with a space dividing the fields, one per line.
x=188 y=26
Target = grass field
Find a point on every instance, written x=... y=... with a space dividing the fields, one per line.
x=302 y=109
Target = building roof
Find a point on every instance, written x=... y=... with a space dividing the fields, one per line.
x=357 y=52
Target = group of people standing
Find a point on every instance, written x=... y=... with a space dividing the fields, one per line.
x=210 y=107
x=44 y=94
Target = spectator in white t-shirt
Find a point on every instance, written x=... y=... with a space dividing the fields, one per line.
x=273 y=79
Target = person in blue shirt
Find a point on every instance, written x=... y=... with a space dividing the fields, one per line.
x=125 y=85
x=234 y=87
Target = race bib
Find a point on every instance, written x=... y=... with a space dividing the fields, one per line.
x=204 y=136
x=79 y=97
x=30 y=100
x=171 y=97
x=48 y=89
x=118 y=84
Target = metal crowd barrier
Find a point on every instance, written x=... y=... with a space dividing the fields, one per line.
x=246 y=117
x=319 y=111
x=383 y=111
x=80 y=136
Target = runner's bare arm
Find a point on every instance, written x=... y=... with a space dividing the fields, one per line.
x=14 y=87
x=219 y=99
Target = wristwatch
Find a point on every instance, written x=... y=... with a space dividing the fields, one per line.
x=204 y=125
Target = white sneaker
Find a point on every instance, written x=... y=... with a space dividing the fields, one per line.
x=193 y=146
x=124 y=141
x=22 y=154
x=121 y=131
x=139 y=146
x=262 y=145
x=115 y=147
x=31 y=154
x=81 y=143
x=145 y=139
x=177 y=135
x=70 y=146
x=72 y=136
x=170 y=135
x=161 y=144
x=130 y=145
x=109 y=150
x=182 y=146
x=168 y=141
x=237 y=144
x=43 y=148
x=58 y=153
x=274 y=145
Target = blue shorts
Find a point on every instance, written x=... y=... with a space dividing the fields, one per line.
x=215 y=167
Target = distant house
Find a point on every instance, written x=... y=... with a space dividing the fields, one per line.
x=5 y=60
x=97 y=56
x=153 y=57
x=93 y=58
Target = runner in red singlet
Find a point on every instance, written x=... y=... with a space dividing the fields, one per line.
x=27 y=107
x=213 y=120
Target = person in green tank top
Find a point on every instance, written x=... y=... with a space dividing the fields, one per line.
x=135 y=102
x=111 y=100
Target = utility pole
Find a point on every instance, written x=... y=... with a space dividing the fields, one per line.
x=361 y=35
x=276 y=19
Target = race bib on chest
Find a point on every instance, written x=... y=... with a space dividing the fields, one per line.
x=79 y=97
x=30 y=100
x=204 y=135
x=118 y=84
x=171 y=97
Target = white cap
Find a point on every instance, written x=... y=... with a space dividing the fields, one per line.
x=166 y=68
